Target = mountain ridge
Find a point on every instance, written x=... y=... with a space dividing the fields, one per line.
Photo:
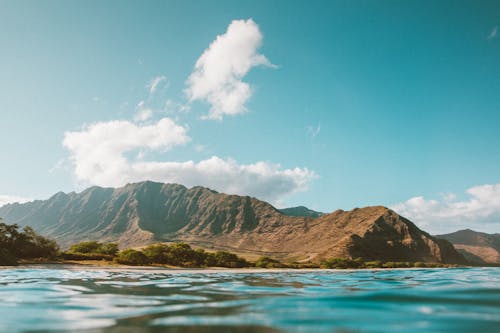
x=300 y=211
x=142 y=213
x=477 y=247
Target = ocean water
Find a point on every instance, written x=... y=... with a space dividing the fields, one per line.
x=107 y=300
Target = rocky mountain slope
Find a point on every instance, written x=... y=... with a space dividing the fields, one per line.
x=147 y=212
x=478 y=247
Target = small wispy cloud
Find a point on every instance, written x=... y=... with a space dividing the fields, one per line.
x=172 y=107
x=155 y=83
x=143 y=115
x=493 y=32
x=200 y=148
x=61 y=164
x=313 y=131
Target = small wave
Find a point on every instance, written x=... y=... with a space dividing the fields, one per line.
x=426 y=300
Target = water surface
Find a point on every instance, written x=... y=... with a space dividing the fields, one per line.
x=104 y=300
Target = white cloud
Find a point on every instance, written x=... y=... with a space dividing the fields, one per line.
x=6 y=199
x=218 y=73
x=97 y=151
x=480 y=211
x=100 y=155
x=155 y=83
x=143 y=115
x=263 y=180
x=61 y=164
x=493 y=33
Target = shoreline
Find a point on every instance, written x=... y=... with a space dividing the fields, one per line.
x=93 y=266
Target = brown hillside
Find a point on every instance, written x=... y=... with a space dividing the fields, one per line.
x=138 y=214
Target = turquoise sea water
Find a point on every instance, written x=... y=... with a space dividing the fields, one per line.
x=101 y=300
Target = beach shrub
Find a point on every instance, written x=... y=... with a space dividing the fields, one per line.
x=108 y=248
x=95 y=248
x=304 y=265
x=157 y=253
x=373 y=264
x=227 y=259
x=342 y=263
x=6 y=258
x=178 y=254
x=181 y=254
x=25 y=244
x=266 y=262
x=132 y=257
x=86 y=256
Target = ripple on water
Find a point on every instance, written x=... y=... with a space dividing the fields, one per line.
x=423 y=300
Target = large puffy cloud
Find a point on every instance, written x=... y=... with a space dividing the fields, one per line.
x=261 y=179
x=480 y=211
x=98 y=151
x=6 y=199
x=218 y=73
x=101 y=156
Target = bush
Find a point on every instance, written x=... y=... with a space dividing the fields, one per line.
x=7 y=259
x=132 y=257
x=266 y=262
x=304 y=265
x=373 y=264
x=181 y=254
x=157 y=253
x=343 y=263
x=95 y=248
x=227 y=259
x=86 y=256
x=25 y=244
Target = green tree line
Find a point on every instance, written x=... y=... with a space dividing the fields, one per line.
x=16 y=243
x=177 y=254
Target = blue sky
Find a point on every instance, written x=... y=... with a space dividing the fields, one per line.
x=342 y=104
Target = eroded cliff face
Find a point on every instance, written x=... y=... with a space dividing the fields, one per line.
x=142 y=213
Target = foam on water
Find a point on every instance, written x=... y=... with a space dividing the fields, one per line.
x=423 y=300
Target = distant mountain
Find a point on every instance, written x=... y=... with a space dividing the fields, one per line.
x=476 y=246
x=147 y=212
x=300 y=211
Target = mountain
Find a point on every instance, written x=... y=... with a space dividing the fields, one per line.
x=476 y=246
x=300 y=211
x=147 y=212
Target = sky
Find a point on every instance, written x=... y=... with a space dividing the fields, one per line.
x=327 y=104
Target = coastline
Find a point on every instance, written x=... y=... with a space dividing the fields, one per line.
x=95 y=266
